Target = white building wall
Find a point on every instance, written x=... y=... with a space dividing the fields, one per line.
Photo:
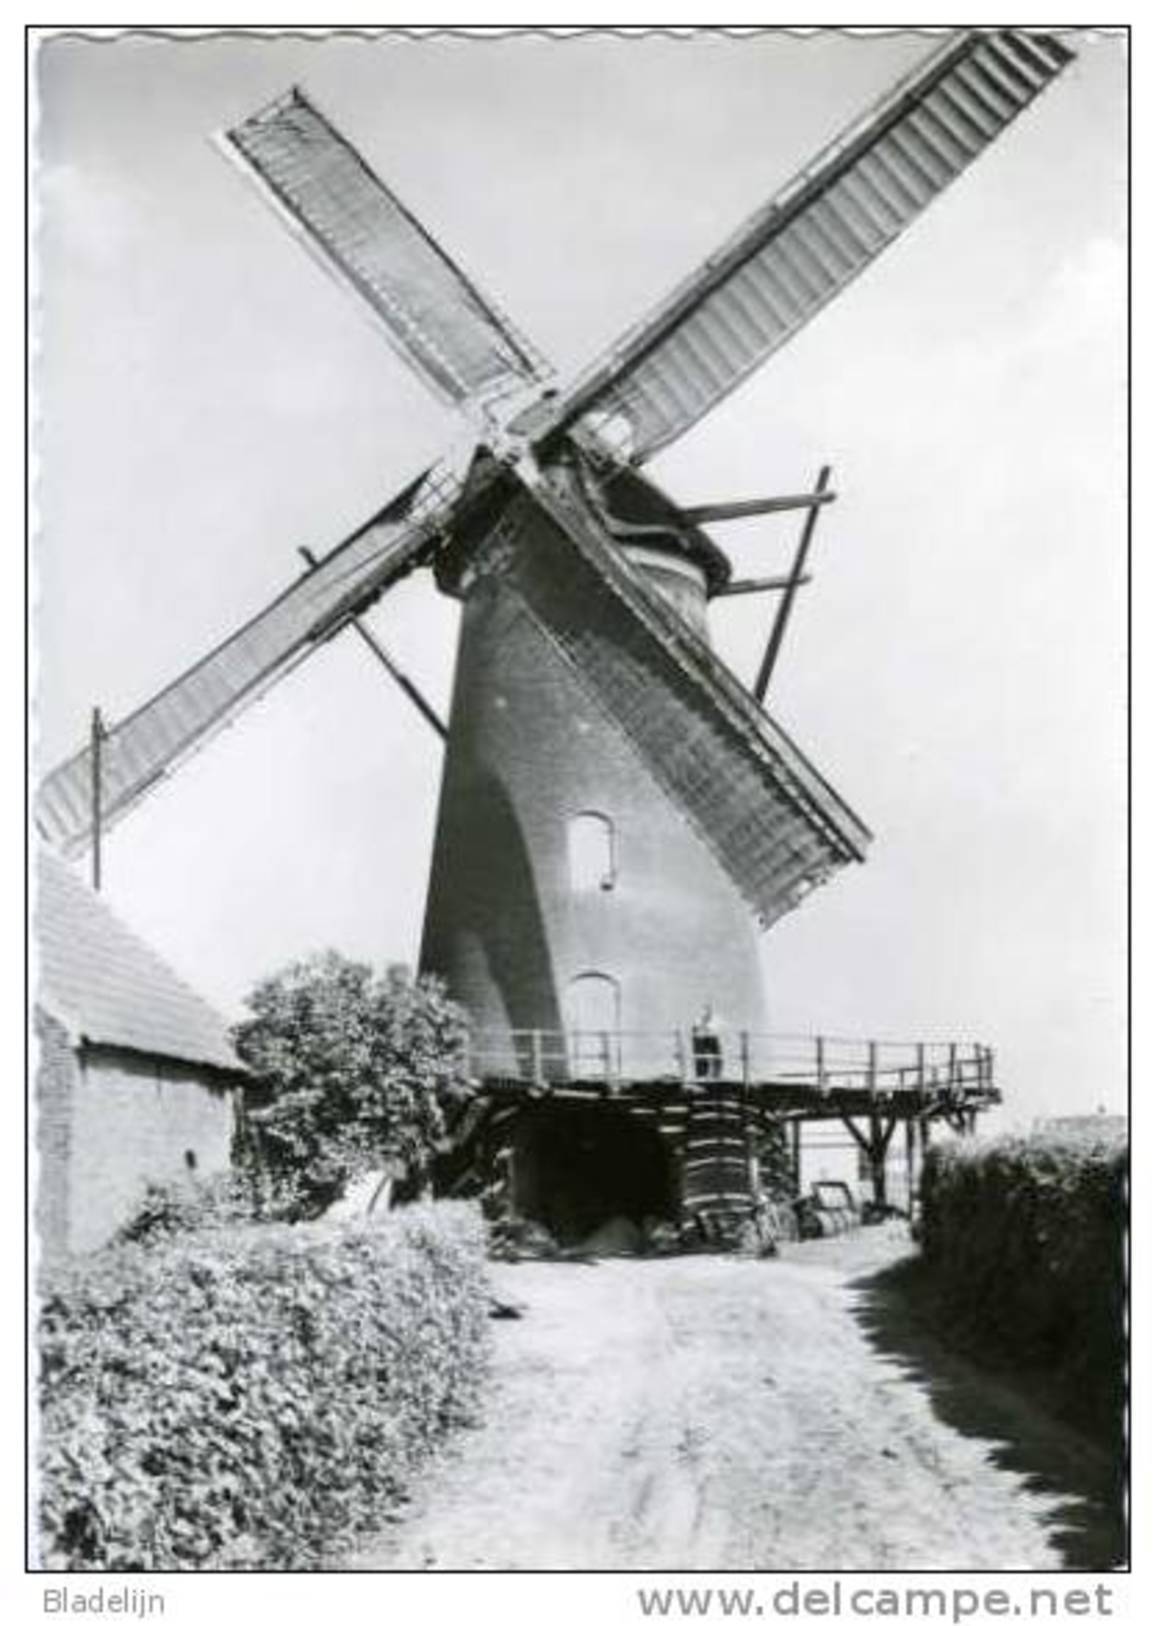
x=133 y=1122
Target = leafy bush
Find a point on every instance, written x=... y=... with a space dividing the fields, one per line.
x=252 y=1398
x=1025 y=1240
x=356 y=1071
x=172 y=1207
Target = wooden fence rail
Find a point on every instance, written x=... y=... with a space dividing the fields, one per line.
x=542 y=1057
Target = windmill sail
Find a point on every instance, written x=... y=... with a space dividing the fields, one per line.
x=807 y=244
x=139 y=750
x=775 y=825
x=771 y=819
x=439 y=322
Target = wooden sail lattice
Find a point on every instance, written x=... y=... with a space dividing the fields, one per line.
x=775 y=823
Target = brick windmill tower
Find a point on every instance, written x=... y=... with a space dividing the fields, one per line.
x=603 y=847
x=619 y=815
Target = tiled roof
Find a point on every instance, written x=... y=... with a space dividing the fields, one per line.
x=109 y=987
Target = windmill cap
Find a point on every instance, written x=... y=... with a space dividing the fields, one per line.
x=634 y=501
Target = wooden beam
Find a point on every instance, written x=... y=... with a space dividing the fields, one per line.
x=97 y=749
x=404 y=683
x=864 y=1142
x=760 y=584
x=774 y=643
x=886 y=1134
x=877 y=1156
x=715 y=512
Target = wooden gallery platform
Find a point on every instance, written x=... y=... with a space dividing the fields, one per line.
x=572 y=1129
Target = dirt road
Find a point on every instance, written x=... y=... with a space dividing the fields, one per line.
x=722 y=1413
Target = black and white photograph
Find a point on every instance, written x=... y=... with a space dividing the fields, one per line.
x=578 y=853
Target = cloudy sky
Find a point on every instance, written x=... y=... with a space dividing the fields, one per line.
x=210 y=400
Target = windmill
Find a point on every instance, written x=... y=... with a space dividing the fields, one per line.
x=619 y=815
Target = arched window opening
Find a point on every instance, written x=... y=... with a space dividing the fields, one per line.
x=590 y=846
x=593 y=1018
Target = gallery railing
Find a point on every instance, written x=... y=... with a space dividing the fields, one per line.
x=546 y=1057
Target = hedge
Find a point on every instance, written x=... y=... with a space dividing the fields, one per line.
x=1024 y=1238
x=252 y=1397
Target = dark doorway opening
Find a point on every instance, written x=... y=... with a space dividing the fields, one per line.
x=576 y=1167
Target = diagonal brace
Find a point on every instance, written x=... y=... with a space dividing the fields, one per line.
x=405 y=683
x=794 y=581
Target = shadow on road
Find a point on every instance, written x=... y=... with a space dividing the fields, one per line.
x=1088 y=1529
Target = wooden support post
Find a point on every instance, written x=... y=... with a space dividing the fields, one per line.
x=878 y=1160
x=855 y=1132
x=797 y=1154
x=872 y=1068
x=404 y=683
x=774 y=643
x=881 y=1145
x=97 y=754
x=920 y=1063
x=861 y=1140
x=874 y=1146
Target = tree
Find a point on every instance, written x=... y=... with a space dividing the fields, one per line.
x=355 y=1071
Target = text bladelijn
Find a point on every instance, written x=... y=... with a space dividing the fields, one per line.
x=103 y=1600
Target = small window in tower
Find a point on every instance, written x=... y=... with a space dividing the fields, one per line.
x=590 y=840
